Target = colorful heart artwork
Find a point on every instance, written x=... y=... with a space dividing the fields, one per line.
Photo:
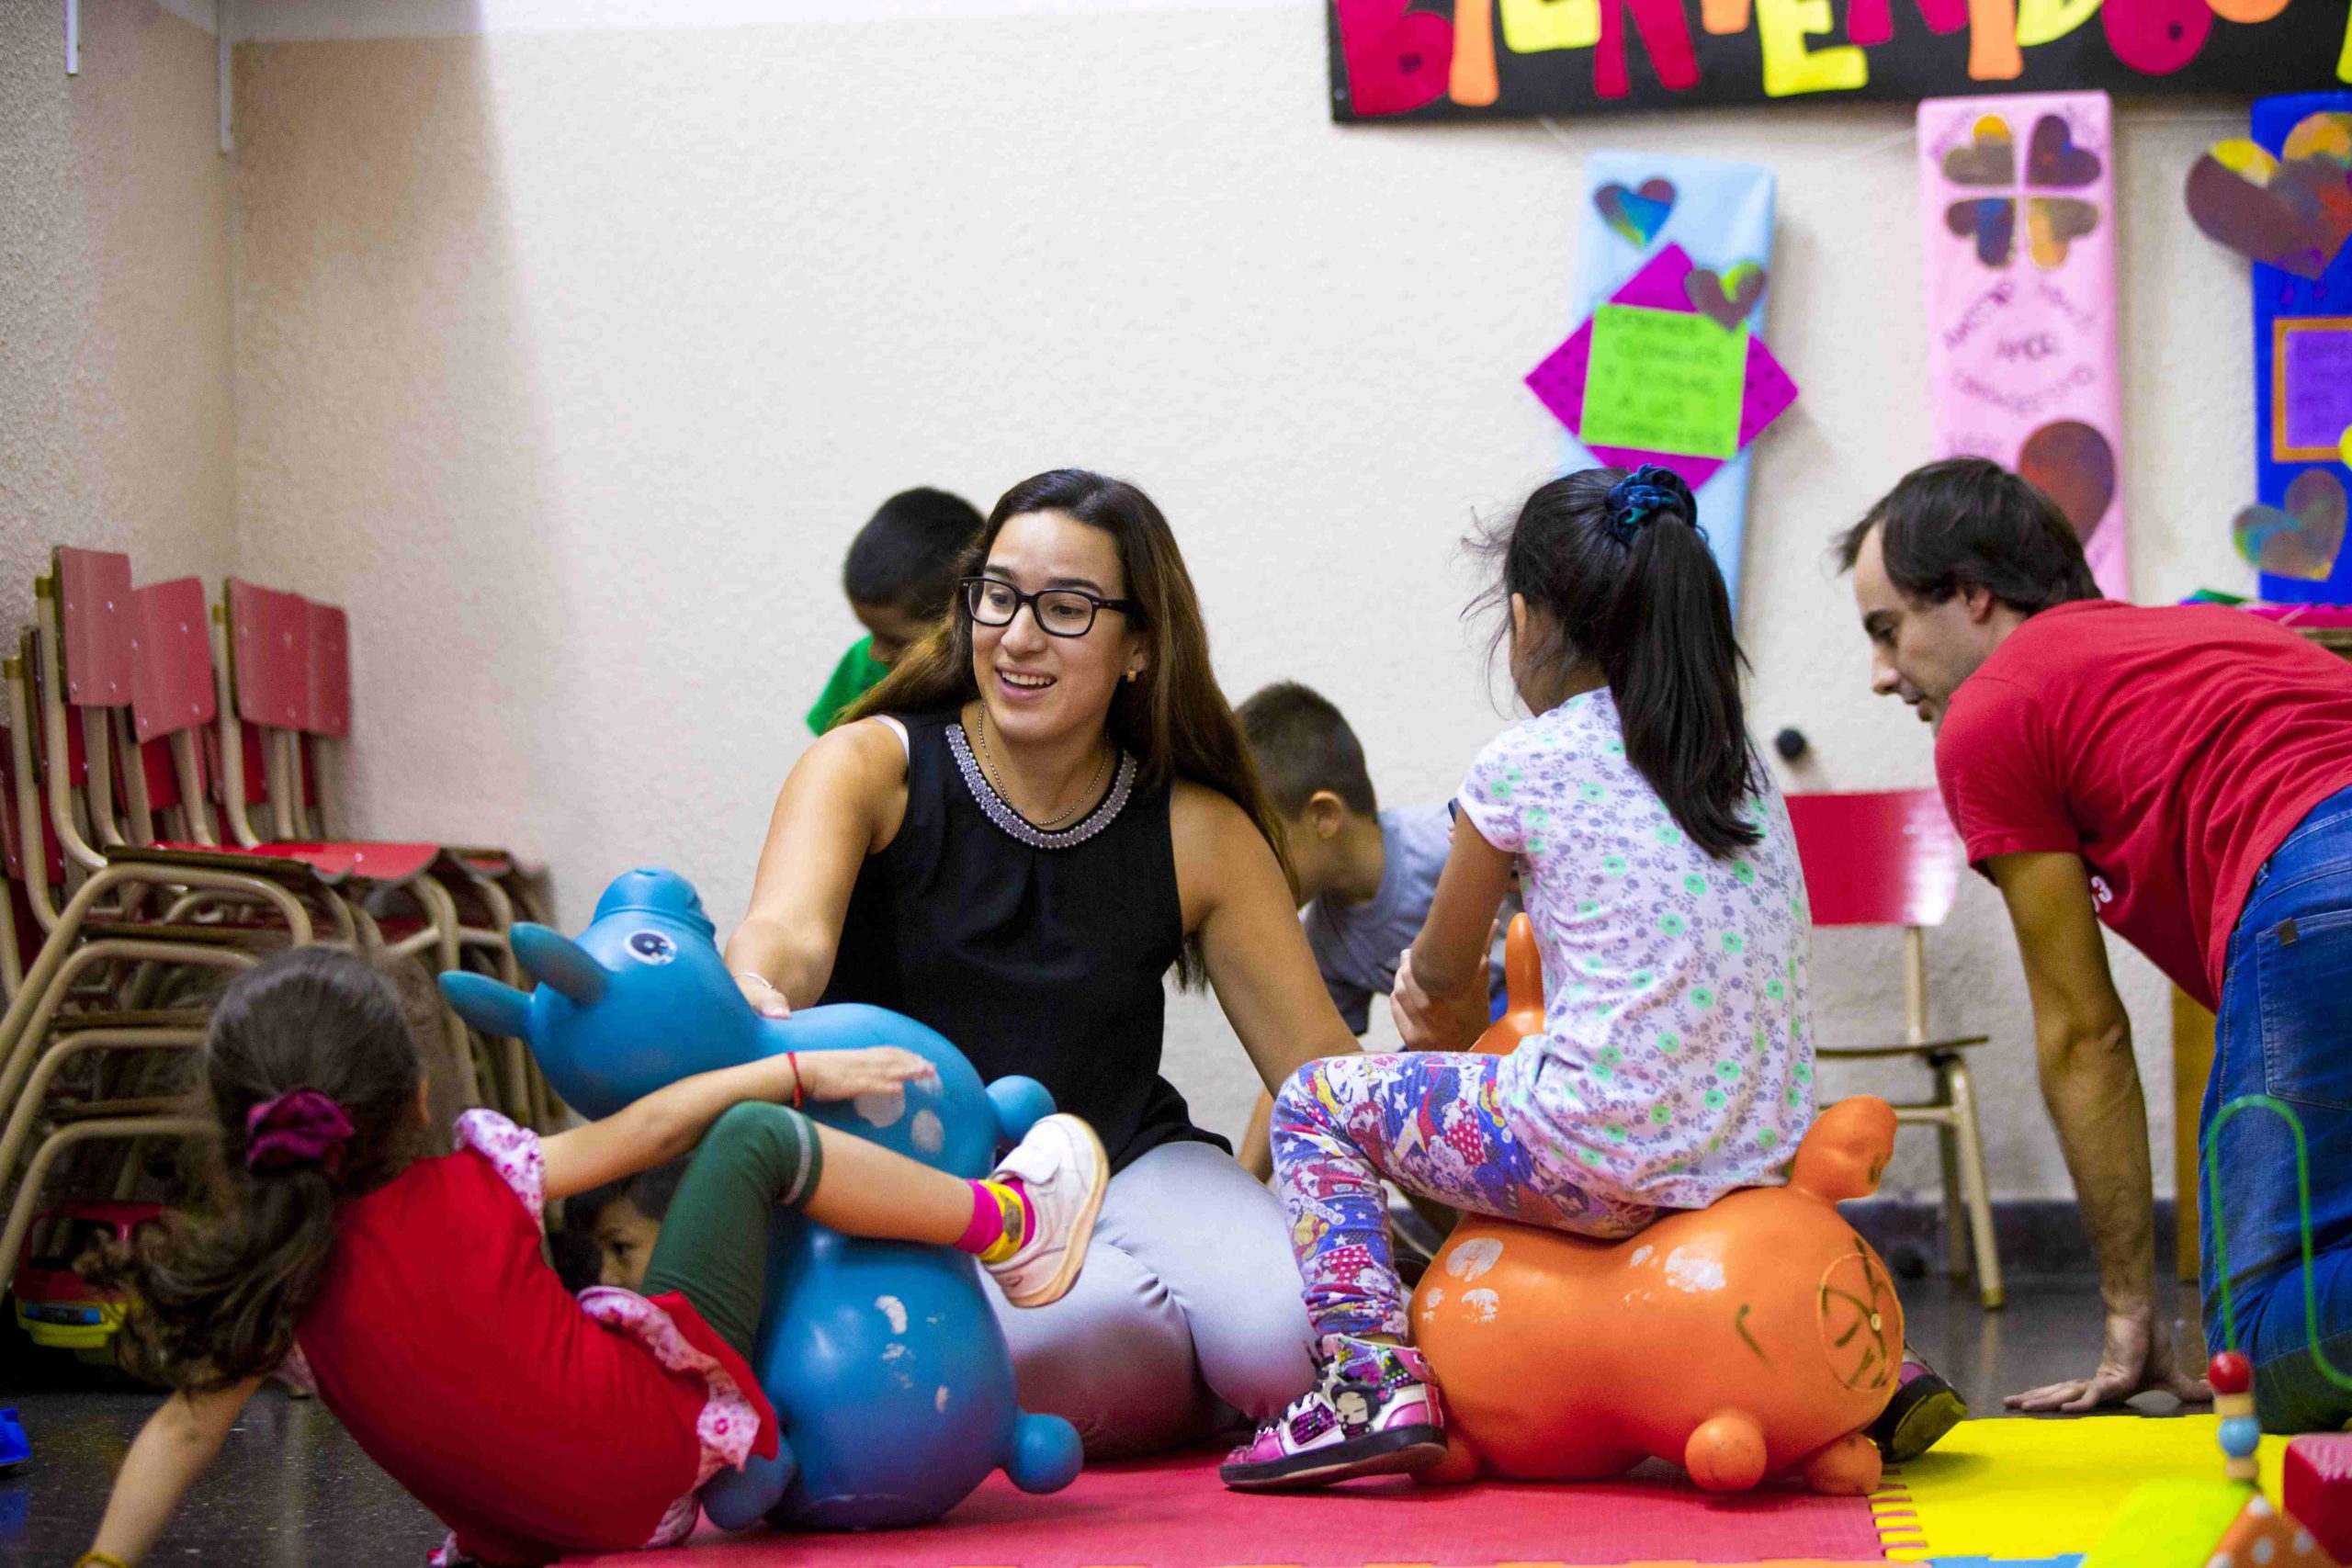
x=2294 y=211
x=2071 y=464
x=1637 y=216
x=2053 y=162
x=1990 y=220
x=1725 y=300
x=2052 y=224
x=1988 y=158
x=2022 y=363
x=2053 y=159
x=2302 y=541
x=1397 y=60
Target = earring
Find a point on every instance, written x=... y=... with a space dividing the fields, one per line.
x=1131 y=676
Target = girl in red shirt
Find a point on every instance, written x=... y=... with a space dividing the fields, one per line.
x=413 y=1291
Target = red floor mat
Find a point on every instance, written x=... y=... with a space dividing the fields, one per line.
x=1171 y=1513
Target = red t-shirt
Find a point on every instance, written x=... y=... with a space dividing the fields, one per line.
x=456 y=1358
x=2172 y=749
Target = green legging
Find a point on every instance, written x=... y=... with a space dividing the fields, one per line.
x=714 y=1245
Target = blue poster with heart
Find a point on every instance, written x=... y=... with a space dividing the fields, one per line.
x=1673 y=261
x=2303 y=336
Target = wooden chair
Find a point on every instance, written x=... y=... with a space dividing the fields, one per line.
x=288 y=677
x=1889 y=858
x=114 y=989
x=187 y=715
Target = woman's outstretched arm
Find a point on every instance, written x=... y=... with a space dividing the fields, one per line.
x=844 y=800
x=1237 y=902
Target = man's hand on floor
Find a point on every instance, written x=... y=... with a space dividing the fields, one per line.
x=2137 y=1357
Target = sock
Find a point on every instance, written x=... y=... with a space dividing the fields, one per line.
x=1002 y=1221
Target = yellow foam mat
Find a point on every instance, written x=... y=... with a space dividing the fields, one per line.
x=2041 y=1488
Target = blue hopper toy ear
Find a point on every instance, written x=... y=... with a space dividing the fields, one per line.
x=559 y=962
x=492 y=1008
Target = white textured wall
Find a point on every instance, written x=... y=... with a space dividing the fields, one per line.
x=572 y=362
x=114 y=417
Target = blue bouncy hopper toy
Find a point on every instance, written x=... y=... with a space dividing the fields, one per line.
x=883 y=1358
x=15 y=1447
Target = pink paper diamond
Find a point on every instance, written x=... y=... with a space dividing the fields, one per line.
x=1559 y=379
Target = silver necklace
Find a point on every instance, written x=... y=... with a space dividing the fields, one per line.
x=995 y=780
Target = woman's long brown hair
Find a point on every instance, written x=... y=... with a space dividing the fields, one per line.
x=1173 y=718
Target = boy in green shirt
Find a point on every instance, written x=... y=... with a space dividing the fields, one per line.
x=900 y=576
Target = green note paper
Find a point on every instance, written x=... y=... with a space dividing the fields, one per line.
x=1664 y=381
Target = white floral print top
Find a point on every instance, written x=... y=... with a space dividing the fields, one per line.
x=1677 y=1059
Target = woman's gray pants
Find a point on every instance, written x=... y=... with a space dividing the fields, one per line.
x=1188 y=1311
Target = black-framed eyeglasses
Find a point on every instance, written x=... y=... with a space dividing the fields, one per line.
x=1058 y=612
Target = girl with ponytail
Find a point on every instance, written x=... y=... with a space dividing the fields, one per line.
x=414 y=1293
x=1660 y=874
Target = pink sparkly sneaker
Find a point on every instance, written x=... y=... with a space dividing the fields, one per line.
x=1374 y=1412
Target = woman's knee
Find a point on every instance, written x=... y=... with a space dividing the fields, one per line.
x=1237 y=1289
x=1114 y=1357
x=1256 y=1347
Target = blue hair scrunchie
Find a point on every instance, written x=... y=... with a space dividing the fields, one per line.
x=1644 y=496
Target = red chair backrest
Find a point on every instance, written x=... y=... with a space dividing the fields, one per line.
x=330 y=672
x=94 y=614
x=292 y=660
x=270 y=655
x=1882 y=858
x=171 y=660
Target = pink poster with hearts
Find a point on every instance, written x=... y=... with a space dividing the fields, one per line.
x=2017 y=197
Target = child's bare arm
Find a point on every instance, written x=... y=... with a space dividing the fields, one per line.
x=1442 y=980
x=171 y=1452
x=1257 y=1156
x=669 y=1122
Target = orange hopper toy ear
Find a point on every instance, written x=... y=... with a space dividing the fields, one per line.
x=1845 y=1150
x=1523 y=989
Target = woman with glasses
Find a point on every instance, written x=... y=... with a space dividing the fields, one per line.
x=1046 y=807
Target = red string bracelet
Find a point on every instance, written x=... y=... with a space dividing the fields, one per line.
x=797 y=1094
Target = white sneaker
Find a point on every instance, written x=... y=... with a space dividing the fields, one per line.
x=1063 y=1170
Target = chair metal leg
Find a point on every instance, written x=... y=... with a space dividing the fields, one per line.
x=26 y=1110
x=496 y=939
x=1952 y=1075
x=1956 y=1244
x=27 y=1199
x=12 y=972
x=22 y=1046
x=66 y=932
x=441 y=913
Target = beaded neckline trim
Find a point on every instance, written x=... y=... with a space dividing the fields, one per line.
x=1019 y=827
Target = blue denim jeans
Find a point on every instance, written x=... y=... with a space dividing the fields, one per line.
x=2286 y=1030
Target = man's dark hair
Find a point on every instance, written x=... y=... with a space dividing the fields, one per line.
x=1969 y=522
x=1303 y=745
x=905 y=557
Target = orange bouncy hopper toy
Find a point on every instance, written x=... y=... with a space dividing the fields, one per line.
x=1754 y=1337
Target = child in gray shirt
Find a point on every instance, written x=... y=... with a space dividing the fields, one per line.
x=1365 y=876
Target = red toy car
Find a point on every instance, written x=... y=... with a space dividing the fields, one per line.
x=54 y=1305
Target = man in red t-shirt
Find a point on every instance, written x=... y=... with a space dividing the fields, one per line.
x=2183 y=775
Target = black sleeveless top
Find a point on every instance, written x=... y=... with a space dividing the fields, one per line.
x=1036 y=952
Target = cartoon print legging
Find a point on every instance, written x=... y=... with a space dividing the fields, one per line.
x=1431 y=1121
